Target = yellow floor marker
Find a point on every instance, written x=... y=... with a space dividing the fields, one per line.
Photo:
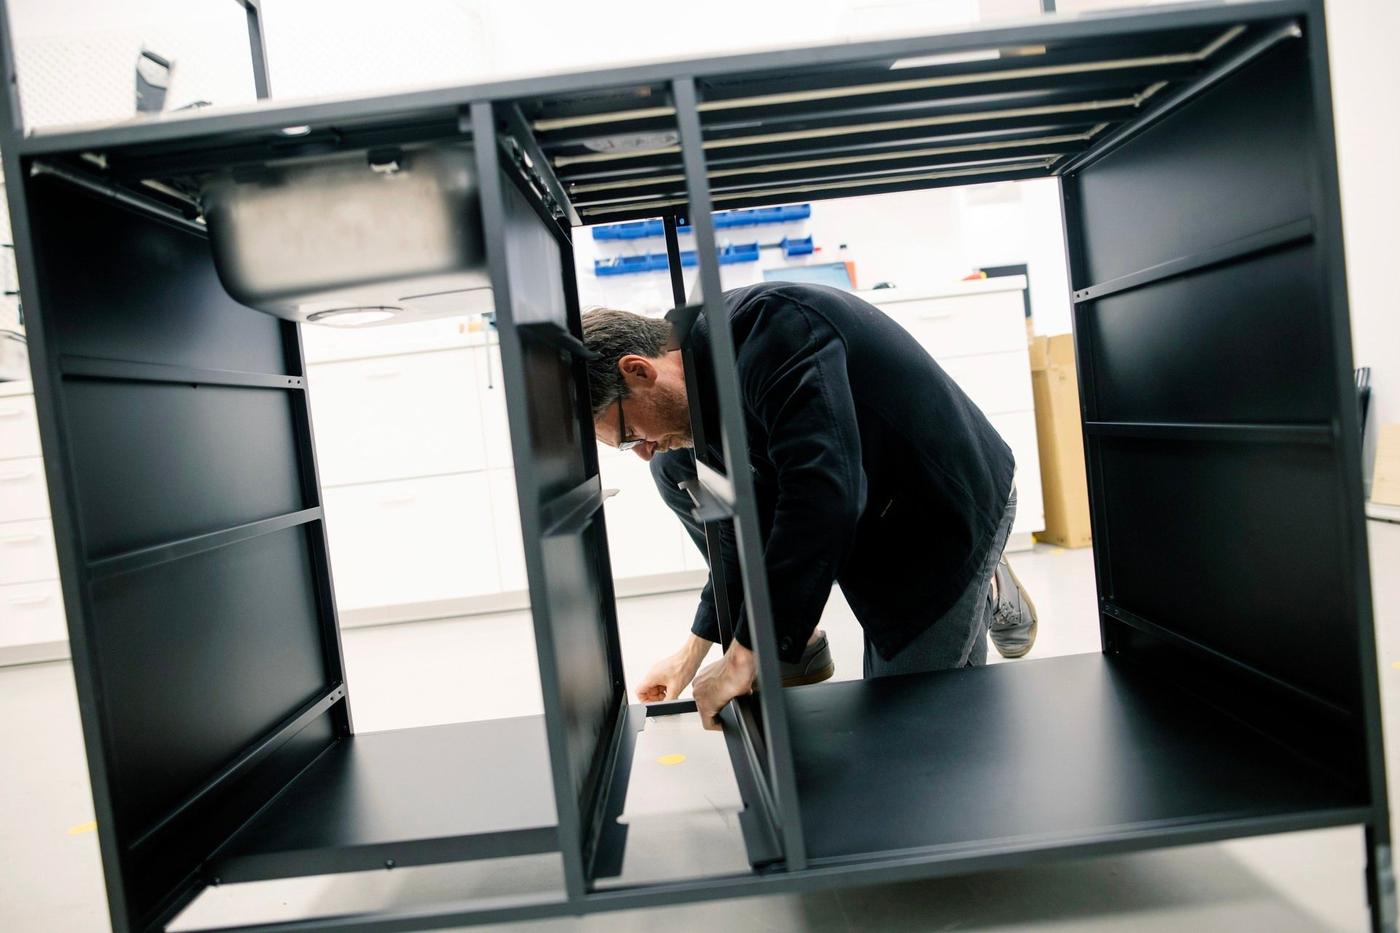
x=89 y=827
x=670 y=759
x=1395 y=664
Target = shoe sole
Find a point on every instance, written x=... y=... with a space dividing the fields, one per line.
x=1035 y=621
x=810 y=677
x=1021 y=653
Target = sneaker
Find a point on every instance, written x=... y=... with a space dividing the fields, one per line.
x=1013 y=617
x=813 y=667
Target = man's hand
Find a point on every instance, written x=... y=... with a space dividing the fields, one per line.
x=722 y=681
x=669 y=676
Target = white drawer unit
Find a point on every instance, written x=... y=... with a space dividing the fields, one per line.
x=27 y=552
x=23 y=494
x=1018 y=430
x=19 y=428
x=997 y=383
x=962 y=325
x=495 y=427
x=510 y=546
x=397 y=416
x=31 y=614
x=644 y=537
x=414 y=541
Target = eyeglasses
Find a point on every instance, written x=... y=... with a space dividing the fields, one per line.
x=623 y=441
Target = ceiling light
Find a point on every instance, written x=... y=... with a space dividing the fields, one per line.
x=352 y=317
x=295 y=130
x=976 y=55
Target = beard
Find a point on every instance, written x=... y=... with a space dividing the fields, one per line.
x=675 y=414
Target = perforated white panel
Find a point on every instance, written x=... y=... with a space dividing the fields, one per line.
x=77 y=59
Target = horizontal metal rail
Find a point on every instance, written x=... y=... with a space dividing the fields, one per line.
x=146 y=557
x=897 y=86
x=1114 y=611
x=1183 y=96
x=131 y=371
x=250 y=759
x=1289 y=234
x=571 y=512
x=1320 y=434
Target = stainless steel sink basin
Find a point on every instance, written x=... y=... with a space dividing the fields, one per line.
x=388 y=235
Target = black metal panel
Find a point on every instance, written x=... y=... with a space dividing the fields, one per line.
x=132 y=289
x=1236 y=546
x=1239 y=343
x=404 y=797
x=159 y=867
x=184 y=459
x=1051 y=752
x=585 y=683
x=1236 y=162
x=1208 y=336
x=200 y=658
x=196 y=585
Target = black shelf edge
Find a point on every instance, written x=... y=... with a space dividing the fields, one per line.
x=1149 y=757
x=1183 y=96
x=708 y=508
x=473 y=790
x=146 y=557
x=758 y=819
x=571 y=512
x=550 y=333
x=1114 y=611
x=1318 y=434
x=1289 y=234
x=609 y=837
x=130 y=371
x=250 y=759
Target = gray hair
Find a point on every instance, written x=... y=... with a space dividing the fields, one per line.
x=613 y=334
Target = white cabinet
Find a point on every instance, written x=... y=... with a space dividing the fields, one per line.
x=19 y=428
x=22 y=492
x=644 y=537
x=510 y=543
x=31 y=614
x=977 y=333
x=397 y=416
x=413 y=541
x=32 y=626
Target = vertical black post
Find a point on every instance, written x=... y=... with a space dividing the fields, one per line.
x=1098 y=520
x=719 y=583
x=258 y=48
x=494 y=222
x=740 y=479
x=1327 y=214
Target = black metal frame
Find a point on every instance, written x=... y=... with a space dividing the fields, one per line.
x=525 y=136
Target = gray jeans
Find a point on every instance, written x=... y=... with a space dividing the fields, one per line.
x=959 y=637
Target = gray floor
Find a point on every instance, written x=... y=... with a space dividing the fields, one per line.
x=480 y=668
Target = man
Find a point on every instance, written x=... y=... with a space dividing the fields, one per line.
x=871 y=468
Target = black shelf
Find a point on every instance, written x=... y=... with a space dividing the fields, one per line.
x=448 y=793
x=1067 y=751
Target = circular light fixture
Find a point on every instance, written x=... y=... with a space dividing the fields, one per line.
x=352 y=317
x=295 y=130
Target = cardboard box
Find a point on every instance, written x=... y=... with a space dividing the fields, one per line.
x=1060 y=438
x=1385 y=479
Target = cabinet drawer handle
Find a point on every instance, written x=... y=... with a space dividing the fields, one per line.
x=18 y=539
x=29 y=600
x=16 y=477
x=936 y=315
x=384 y=374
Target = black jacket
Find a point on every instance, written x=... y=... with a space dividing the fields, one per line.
x=871 y=467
